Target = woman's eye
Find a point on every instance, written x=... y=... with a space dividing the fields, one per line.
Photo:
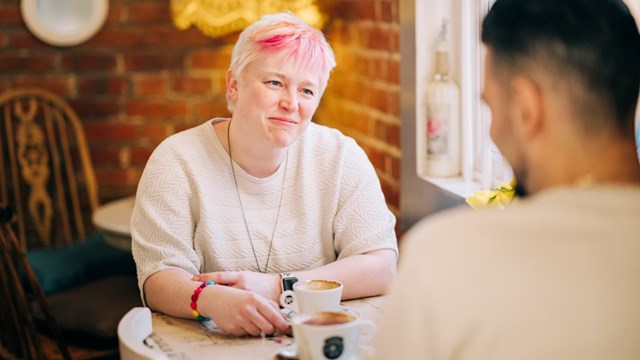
x=274 y=83
x=307 y=92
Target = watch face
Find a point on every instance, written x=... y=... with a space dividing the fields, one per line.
x=287 y=282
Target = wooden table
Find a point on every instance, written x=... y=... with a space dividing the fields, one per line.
x=176 y=338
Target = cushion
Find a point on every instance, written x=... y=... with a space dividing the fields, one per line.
x=90 y=313
x=64 y=268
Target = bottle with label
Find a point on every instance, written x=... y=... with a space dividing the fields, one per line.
x=443 y=116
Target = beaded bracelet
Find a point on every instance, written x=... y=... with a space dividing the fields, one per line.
x=194 y=299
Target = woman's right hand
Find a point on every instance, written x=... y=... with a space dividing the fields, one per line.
x=241 y=312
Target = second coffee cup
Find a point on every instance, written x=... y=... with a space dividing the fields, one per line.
x=310 y=296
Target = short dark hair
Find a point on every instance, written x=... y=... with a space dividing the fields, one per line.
x=595 y=42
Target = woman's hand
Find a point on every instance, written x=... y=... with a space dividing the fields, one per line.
x=241 y=312
x=267 y=285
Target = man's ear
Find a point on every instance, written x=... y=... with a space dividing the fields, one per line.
x=528 y=106
x=232 y=86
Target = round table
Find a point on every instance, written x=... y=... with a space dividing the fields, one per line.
x=113 y=219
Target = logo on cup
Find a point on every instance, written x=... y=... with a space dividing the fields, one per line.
x=333 y=347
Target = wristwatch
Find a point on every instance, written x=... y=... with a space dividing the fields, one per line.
x=287 y=281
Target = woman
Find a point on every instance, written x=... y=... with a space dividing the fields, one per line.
x=239 y=201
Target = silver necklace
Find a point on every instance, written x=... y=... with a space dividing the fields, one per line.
x=244 y=217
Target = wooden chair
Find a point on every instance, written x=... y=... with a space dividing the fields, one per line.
x=46 y=174
x=46 y=171
x=19 y=337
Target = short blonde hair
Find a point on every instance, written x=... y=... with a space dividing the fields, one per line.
x=282 y=32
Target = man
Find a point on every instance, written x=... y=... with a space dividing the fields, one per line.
x=556 y=275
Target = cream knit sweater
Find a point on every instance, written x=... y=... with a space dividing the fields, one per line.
x=187 y=213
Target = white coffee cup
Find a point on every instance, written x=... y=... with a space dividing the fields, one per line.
x=331 y=334
x=310 y=296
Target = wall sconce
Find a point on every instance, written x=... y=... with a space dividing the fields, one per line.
x=216 y=18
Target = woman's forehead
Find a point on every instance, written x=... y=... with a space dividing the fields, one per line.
x=286 y=67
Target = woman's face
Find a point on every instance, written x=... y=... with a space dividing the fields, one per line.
x=275 y=99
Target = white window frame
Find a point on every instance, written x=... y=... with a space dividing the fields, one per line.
x=482 y=164
x=483 y=161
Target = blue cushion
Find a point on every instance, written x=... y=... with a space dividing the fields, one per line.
x=64 y=268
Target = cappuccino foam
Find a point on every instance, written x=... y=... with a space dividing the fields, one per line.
x=328 y=318
x=316 y=285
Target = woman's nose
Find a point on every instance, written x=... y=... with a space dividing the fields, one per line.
x=289 y=101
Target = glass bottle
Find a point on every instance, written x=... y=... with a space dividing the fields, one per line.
x=443 y=116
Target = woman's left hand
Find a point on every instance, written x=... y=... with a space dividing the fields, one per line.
x=267 y=285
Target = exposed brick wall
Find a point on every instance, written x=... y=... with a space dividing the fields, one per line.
x=140 y=80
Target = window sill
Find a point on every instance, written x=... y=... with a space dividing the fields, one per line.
x=455 y=185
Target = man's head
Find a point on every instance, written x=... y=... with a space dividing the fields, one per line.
x=574 y=60
x=282 y=32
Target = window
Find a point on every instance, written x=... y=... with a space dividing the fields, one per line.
x=488 y=167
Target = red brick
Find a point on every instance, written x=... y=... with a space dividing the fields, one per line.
x=191 y=85
x=150 y=85
x=394 y=41
x=380 y=130
x=219 y=82
x=60 y=85
x=95 y=109
x=355 y=10
x=393 y=135
x=394 y=103
x=379 y=99
x=378 y=69
x=158 y=12
x=156 y=61
x=216 y=107
x=23 y=40
x=377 y=158
x=115 y=38
x=360 y=122
x=387 y=9
x=155 y=132
x=396 y=11
x=140 y=155
x=105 y=132
x=89 y=62
x=210 y=59
x=104 y=85
x=117 y=14
x=163 y=109
x=393 y=71
x=379 y=38
x=10 y=15
x=391 y=192
x=26 y=63
x=104 y=155
x=169 y=35
x=395 y=167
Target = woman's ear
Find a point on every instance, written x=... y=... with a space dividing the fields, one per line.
x=528 y=106
x=232 y=86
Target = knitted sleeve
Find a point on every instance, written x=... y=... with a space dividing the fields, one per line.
x=162 y=222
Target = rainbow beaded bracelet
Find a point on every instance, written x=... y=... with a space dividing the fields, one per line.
x=194 y=299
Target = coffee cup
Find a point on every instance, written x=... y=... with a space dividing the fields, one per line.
x=310 y=296
x=331 y=334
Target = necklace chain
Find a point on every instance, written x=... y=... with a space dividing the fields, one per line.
x=244 y=217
